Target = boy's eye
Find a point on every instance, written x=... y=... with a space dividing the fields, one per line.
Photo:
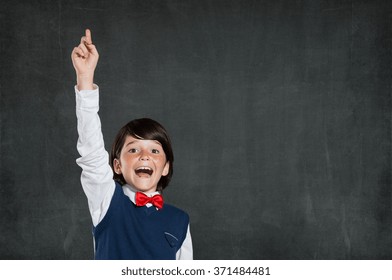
x=133 y=150
x=155 y=151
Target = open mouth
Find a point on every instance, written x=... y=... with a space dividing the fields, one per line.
x=143 y=171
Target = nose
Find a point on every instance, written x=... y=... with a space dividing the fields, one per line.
x=144 y=156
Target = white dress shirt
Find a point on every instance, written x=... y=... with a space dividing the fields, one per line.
x=97 y=175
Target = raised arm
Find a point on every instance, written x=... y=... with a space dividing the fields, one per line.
x=85 y=59
x=97 y=176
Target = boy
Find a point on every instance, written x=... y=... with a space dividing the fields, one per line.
x=130 y=220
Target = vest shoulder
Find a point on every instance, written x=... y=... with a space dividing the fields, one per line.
x=174 y=210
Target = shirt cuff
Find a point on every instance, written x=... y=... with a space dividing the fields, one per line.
x=87 y=99
x=95 y=87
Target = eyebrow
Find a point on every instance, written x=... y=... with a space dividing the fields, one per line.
x=130 y=143
x=134 y=141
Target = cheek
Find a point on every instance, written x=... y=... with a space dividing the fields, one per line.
x=127 y=159
x=160 y=160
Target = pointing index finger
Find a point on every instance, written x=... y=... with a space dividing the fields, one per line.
x=88 y=39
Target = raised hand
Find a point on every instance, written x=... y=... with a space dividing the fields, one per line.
x=85 y=59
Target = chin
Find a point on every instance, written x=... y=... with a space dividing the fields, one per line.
x=145 y=188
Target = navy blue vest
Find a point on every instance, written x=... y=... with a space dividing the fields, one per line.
x=139 y=233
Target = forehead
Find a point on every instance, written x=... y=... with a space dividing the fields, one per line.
x=130 y=140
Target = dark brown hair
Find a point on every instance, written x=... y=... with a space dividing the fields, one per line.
x=146 y=129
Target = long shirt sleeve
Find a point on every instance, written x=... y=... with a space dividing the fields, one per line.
x=97 y=175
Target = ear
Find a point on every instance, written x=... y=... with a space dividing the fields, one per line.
x=117 y=166
x=166 y=169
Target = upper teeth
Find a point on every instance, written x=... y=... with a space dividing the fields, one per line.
x=143 y=167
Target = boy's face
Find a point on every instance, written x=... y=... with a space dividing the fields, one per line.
x=142 y=163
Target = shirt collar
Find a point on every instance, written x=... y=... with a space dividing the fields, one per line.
x=131 y=193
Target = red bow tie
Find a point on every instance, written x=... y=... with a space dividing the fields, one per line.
x=141 y=199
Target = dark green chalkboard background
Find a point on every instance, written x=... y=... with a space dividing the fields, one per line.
x=279 y=112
